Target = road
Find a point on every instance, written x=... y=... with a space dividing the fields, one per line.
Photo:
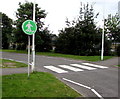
x=88 y=78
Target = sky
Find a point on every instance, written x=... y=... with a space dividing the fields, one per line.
x=59 y=10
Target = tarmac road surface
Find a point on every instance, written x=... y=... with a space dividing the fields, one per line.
x=91 y=79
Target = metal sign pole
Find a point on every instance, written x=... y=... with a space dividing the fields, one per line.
x=33 y=40
x=28 y=56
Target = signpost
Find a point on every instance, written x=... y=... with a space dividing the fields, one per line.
x=29 y=27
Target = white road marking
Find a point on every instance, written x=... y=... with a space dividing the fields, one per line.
x=55 y=69
x=15 y=60
x=70 y=68
x=95 y=92
x=76 y=83
x=83 y=67
x=11 y=59
x=98 y=66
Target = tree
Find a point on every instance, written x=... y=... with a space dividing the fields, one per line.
x=111 y=26
x=65 y=42
x=7 y=28
x=25 y=12
x=118 y=50
x=112 y=29
x=81 y=37
x=44 y=41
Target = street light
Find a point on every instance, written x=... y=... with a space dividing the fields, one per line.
x=33 y=41
x=102 y=50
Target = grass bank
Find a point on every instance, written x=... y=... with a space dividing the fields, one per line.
x=39 y=84
x=76 y=57
x=4 y=63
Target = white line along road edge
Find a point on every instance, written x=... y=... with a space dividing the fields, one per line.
x=93 y=90
x=15 y=60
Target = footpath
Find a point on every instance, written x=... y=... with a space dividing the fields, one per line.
x=110 y=62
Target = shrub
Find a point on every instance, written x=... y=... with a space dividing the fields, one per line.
x=118 y=50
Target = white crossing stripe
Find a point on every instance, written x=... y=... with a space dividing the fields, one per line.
x=55 y=69
x=98 y=66
x=70 y=68
x=83 y=67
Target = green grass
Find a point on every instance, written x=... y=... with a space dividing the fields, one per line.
x=39 y=84
x=118 y=65
x=76 y=57
x=14 y=51
x=4 y=63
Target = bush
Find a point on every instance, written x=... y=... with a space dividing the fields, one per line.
x=118 y=50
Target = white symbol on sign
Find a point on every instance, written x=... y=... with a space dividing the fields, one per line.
x=29 y=27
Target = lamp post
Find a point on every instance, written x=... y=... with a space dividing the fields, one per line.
x=102 y=49
x=119 y=11
x=33 y=41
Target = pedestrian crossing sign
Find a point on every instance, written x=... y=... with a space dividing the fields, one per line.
x=29 y=27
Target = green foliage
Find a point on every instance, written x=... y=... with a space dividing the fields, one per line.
x=6 y=26
x=112 y=30
x=81 y=37
x=111 y=27
x=43 y=41
x=118 y=50
x=25 y=12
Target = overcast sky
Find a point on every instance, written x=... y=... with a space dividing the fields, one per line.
x=59 y=10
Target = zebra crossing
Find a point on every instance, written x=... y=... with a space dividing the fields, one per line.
x=74 y=67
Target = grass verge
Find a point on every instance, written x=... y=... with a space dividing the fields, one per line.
x=40 y=84
x=118 y=65
x=14 y=51
x=4 y=63
x=76 y=57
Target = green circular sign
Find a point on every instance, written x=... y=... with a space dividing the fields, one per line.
x=29 y=27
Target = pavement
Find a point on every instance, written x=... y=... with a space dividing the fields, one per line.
x=91 y=79
x=110 y=62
